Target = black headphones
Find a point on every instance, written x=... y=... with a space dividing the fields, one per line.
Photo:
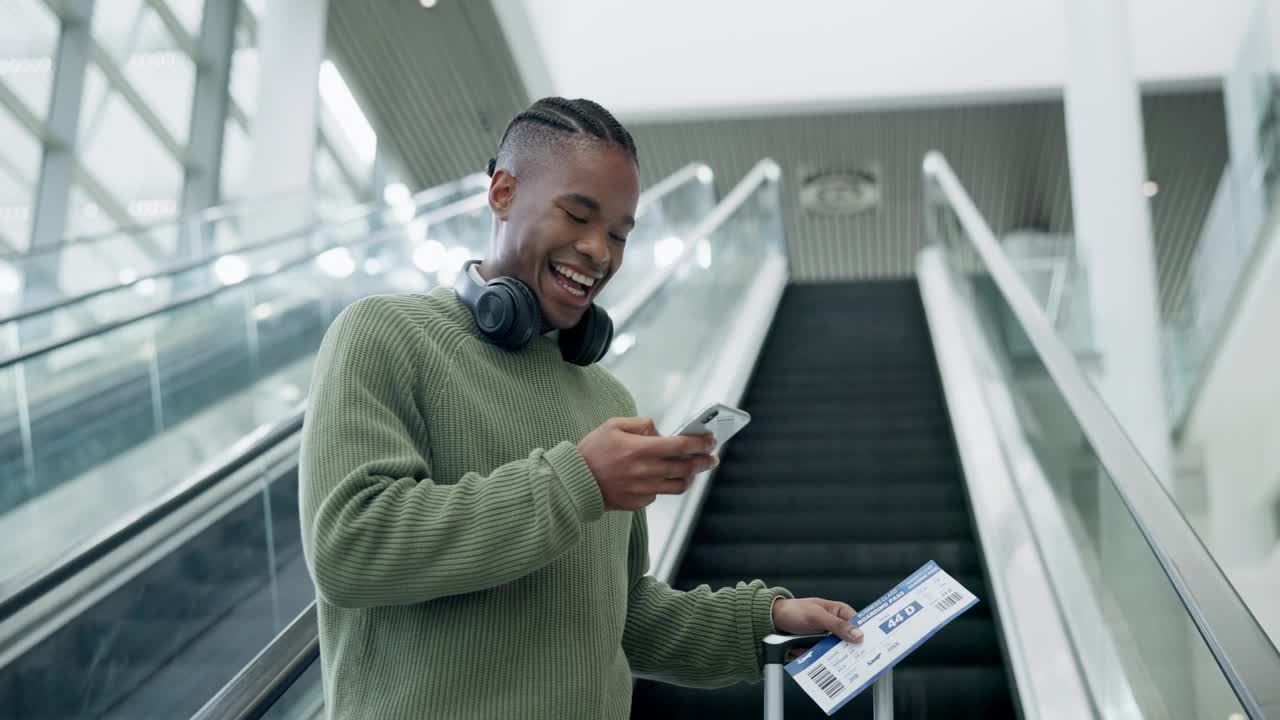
x=508 y=315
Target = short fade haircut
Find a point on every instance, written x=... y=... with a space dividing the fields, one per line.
x=556 y=119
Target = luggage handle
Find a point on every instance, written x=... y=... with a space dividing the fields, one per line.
x=776 y=648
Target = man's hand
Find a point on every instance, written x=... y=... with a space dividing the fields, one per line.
x=804 y=616
x=633 y=464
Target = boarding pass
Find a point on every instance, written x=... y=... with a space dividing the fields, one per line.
x=834 y=670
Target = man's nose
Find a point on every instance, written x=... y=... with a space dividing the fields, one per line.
x=596 y=247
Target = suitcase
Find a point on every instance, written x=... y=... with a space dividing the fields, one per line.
x=776 y=648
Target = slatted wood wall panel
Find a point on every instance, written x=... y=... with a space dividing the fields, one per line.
x=440 y=86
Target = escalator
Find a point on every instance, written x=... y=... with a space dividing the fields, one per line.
x=892 y=425
x=844 y=483
x=147 y=604
x=77 y=409
x=896 y=422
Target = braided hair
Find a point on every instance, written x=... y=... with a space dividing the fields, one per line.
x=554 y=119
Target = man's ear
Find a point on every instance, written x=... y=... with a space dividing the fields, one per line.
x=502 y=193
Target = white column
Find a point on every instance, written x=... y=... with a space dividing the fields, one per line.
x=1112 y=220
x=1113 y=237
x=291 y=41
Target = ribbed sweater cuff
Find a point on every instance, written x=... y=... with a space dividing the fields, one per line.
x=575 y=474
x=761 y=611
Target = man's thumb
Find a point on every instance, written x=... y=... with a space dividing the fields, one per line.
x=636 y=425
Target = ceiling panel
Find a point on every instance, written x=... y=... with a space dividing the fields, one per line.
x=438 y=83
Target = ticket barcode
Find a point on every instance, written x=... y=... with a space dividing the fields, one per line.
x=825 y=681
x=949 y=601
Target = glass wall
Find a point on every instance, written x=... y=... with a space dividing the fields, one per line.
x=132 y=124
x=28 y=37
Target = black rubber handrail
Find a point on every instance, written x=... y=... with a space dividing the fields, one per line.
x=33 y=588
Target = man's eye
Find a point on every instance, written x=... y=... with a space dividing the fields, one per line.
x=617 y=237
x=575 y=218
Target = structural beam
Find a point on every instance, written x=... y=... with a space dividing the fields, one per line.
x=350 y=176
x=52 y=196
x=209 y=107
x=112 y=71
x=171 y=22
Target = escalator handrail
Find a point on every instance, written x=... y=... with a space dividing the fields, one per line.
x=24 y=355
x=206 y=216
x=676 y=179
x=228 y=211
x=249 y=449
x=358 y=213
x=249 y=695
x=1240 y=646
x=270 y=674
x=80 y=558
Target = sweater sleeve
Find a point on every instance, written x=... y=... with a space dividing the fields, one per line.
x=700 y=638
x=376 y=529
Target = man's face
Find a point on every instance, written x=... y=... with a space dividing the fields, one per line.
x=566 y=222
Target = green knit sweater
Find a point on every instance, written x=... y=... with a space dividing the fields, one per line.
x=464 y=564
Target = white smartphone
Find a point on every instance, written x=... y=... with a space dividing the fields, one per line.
x=719 y=419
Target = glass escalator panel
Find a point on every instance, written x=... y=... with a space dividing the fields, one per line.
x=120 y=274
x=1134 y=628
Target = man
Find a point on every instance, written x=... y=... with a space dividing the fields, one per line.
x=473 y=486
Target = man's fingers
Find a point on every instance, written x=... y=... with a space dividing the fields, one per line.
x=841 y=610
x=636 y=425
x=833 y=624
x=680 y=445
x=673 y=486
x=687 y=467
x=640 y=500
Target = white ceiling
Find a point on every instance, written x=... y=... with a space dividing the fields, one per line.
x=667 y=59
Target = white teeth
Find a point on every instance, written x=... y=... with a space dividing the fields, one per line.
x=579 y=277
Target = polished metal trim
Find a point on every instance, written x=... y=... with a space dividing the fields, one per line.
x=267 y=677
x=1035 y=632
x=1238 y=643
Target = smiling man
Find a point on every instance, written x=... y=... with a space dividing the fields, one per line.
x=473 y=485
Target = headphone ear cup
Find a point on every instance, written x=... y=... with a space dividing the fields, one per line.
x=524 y=317
x=588 y=341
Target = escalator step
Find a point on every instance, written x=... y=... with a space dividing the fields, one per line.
x=767 y=559
x=868 y=474
x=834 y=464
x=798 y=497
x=849 y=525
x=857 y=591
